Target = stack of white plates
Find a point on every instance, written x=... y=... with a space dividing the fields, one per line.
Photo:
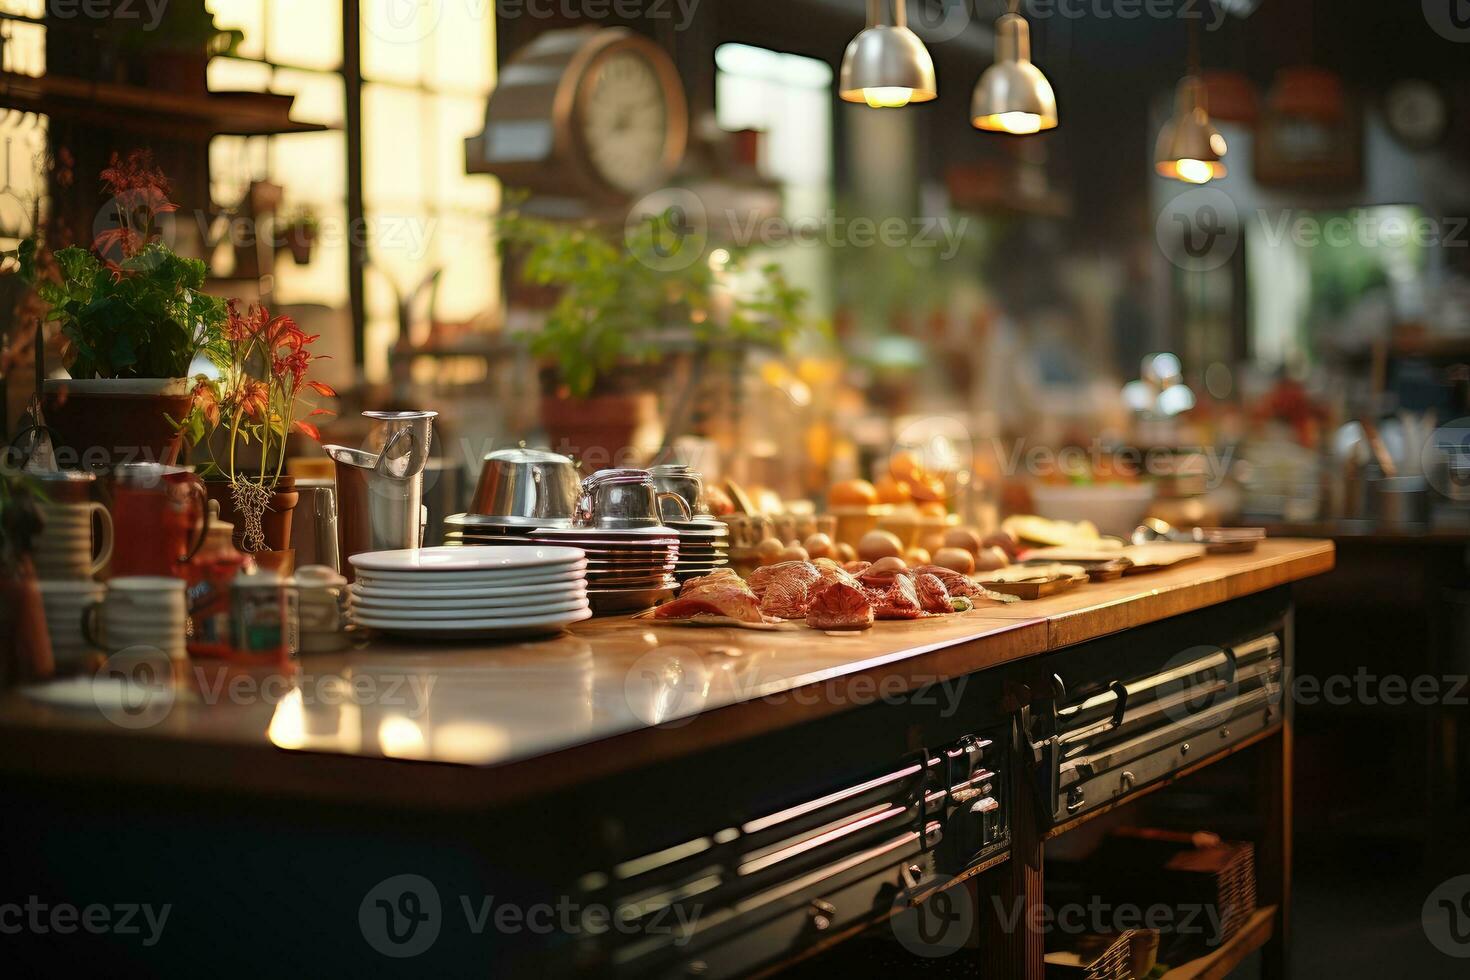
x=466 y=529
x=627 y=569
x=470 y=592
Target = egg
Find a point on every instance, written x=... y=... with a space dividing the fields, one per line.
x=846 y=553
x=820 y=546
x=963 y=537
x=768 y=552
x=956 y=558
x=917 y=556
x=990 y=559
x=886 y=568
x=932 y=541
x=879 y=544
x=794 y=553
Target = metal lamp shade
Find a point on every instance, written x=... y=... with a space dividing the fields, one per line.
x=1013 y=96
x=1190 y=148
x=887 y=66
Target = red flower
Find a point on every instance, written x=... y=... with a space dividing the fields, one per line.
x=205 y=400
x=254 y=398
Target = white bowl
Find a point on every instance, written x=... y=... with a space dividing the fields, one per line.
x=1115 y=508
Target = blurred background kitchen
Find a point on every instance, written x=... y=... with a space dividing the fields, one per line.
x=1047 y=321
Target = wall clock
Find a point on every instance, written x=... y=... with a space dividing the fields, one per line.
x=595 y=113
x=1416 y=114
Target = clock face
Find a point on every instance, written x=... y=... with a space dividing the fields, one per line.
x=625 y=126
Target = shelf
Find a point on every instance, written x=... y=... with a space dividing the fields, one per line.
x=132 y=107
x=1251 y=937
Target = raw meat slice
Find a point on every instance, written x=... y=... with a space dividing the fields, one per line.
x=787 y=598
x=899 y=601
x=840 y=606
x=719 y=599
x=933 y=596
x=803 y=572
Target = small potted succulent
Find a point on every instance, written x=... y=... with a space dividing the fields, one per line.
x=299 y=231
x=133 y=318
x=253 y=408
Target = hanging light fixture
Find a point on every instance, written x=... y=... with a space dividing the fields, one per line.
x=1013 y=96
x=1190 y=148
x=886 y=65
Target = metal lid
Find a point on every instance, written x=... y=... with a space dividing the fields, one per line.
x=523 y=455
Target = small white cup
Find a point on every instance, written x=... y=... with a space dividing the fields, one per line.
x=140 y=611
x=66 y=604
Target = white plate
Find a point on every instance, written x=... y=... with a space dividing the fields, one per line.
x=526 y=592
x=453 y=617
x=471 y=629
x=463 y=580
x=471 y=558
x=441 y=606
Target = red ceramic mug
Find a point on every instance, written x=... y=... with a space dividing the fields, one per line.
x=160 y=517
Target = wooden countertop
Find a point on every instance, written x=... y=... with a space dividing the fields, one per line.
x=400 y=724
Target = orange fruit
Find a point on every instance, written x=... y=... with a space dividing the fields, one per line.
x=894 y=491
x=906 y=467
x=933 y=508
x=931 y=489
x=852 y=493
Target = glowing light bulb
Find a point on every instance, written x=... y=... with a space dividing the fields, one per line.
x=1018 y=123
x=887 y=97
x=1195 y=171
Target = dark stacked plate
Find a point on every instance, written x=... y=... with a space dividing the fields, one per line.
x=627 y=570
x=467 y=529
x=704 y=546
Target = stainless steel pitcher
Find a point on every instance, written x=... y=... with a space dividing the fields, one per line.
x=380 y=494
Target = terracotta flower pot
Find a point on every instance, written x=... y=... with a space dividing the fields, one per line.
x=275 y=523
x=103 y=421
x=604 y=430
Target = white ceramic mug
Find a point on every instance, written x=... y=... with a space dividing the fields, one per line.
x=66 y=604
x=140 y=611
x=67 y=548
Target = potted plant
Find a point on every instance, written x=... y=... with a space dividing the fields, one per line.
x=623 y=306
x=25 y=641
x=133 y=318
x=255 y=406
x=299 y=233
x=173 y=54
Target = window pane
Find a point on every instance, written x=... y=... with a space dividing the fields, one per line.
x=394 y=137
x=455 y=119
x=463 y=49
x=319 y=97
x=308 y=35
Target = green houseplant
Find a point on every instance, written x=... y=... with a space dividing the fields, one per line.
x=133 y=318
x=625 y=305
